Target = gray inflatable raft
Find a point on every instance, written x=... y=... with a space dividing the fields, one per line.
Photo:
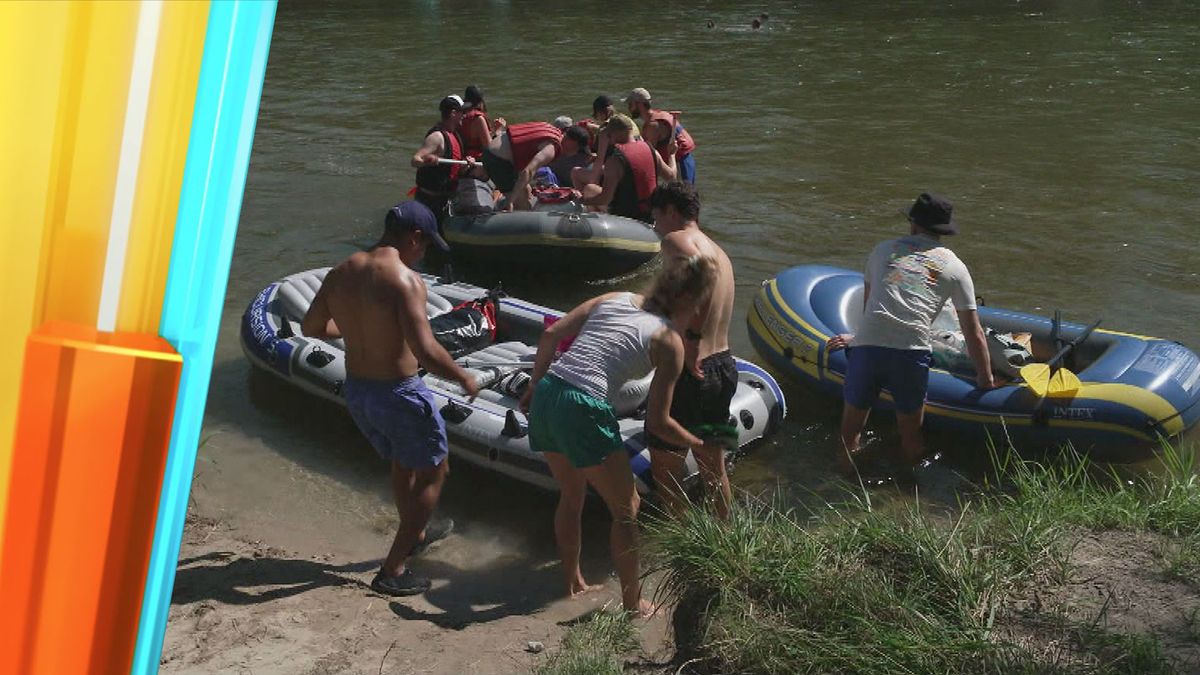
x=489 y=431
x=553 y=238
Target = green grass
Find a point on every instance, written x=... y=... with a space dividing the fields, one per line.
x=593 y=647
x=854 y=589
x=1082 y=493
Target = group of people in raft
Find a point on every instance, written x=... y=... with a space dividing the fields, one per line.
x=604 y=162
x=678 y=328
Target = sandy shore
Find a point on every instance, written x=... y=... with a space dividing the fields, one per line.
x=244 y=605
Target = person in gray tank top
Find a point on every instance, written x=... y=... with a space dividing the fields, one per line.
x=617 y=337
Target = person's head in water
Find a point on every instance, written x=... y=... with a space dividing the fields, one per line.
x=638 y=102
x=474 y=98
x=451 y=108
x=681 y=285
x=602 y=108
x=410 y=227
x=673 y=205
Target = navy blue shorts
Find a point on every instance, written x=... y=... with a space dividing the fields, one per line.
x=400 y=418
x=687 y=168
x=903 y=372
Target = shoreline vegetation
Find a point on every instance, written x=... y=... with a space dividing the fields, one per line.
x=1057 y=566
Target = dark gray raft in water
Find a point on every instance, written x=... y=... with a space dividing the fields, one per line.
x=554 y=239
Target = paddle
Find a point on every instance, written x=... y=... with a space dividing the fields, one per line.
x=480 y=365
x=461 y=162
x=1049 y=380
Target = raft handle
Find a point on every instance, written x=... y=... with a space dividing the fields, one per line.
x=512 y=426
x=455 y=413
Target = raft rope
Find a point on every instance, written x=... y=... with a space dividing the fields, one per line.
x=1168 y=418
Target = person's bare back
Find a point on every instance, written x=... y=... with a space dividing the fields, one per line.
x=376 y=304
x=718 y=313
x=367 y=296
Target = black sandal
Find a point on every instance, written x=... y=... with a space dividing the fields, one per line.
x=405 y=584
x=434 y=532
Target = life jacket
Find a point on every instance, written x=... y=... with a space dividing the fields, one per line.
x=527 y=137
x=682 y=137
x=471 y=146
x=593 y=138
x=632 y=196
x=442 y=179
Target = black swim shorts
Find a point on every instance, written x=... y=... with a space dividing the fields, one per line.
x=500 y=171
x=702 y=406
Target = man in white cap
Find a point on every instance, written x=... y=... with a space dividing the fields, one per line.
x=436 y=182
x=658 y=127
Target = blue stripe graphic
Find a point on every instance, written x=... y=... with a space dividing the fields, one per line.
x=226 y=109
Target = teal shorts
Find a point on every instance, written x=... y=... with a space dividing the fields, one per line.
x=565 y=419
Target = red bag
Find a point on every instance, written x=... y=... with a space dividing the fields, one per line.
x=565 y=343
x=553 y=195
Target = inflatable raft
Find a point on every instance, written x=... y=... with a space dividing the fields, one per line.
x=490 y=431
x=1134 y=389
x=553 y=238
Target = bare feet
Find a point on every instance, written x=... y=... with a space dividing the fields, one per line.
x=580 y=587
x=645 y=610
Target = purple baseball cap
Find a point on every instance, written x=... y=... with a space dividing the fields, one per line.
x=413 y=215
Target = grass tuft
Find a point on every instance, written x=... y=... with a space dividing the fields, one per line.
x=853 y=589
x=593 y=647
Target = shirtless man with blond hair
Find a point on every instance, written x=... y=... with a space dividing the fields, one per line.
x=375 y=302
x=709 y=379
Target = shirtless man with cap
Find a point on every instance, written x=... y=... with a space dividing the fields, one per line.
x=375 y=302
x=709 y=380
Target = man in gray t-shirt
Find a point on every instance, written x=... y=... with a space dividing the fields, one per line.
x=907 y=282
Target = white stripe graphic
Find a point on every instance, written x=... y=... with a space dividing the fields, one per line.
x=149 y=16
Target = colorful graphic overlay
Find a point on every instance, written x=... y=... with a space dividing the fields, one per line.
x=126 y=130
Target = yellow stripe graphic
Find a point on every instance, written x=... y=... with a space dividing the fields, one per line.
x=130 y=159
x=164 y=148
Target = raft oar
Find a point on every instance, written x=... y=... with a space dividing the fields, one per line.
x=1049 y=380
x=480 y=365
x=461 y=162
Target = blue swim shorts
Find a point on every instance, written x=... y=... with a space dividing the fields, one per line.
x=400 y=419
x=903 y=372
x=687 y=169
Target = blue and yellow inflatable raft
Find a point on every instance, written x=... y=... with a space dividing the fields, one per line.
x=1135 y=389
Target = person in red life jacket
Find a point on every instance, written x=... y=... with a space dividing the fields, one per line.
x=631 y=172
x=477 y=129
x=515 y=155
x=574 y=156
x=659 y=127
x=436 y=182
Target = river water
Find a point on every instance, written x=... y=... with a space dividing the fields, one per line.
x=1066 y=133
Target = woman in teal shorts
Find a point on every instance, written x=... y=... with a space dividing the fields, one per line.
x=617 y=337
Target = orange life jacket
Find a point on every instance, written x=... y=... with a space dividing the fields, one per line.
x=682 y=137
x=528 y=137
x=473 y=147
x=442 y=179
x=632 y=196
